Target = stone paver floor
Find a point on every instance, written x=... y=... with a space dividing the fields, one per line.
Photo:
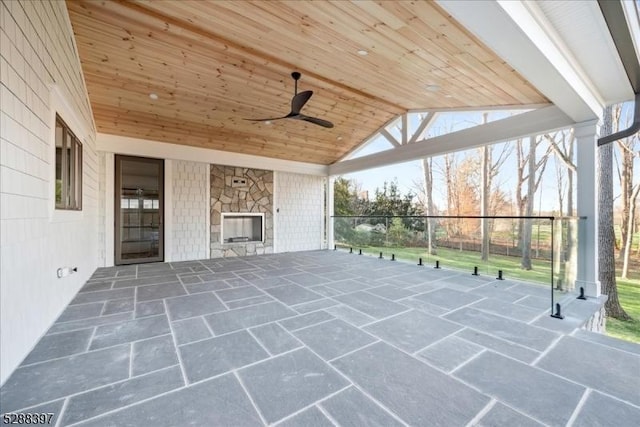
x=318 y=339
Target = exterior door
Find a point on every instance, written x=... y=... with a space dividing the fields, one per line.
x=139 y=191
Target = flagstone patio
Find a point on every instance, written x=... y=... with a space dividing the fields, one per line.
x=322 y=338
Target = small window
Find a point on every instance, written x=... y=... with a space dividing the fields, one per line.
x=68 y=168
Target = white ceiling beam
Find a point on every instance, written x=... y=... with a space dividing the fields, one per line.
x=163 y=150
x=423 y=125
x=530 y=123
x=389 y=137
x=405 y=129
x=368 y=139
x=481 y=108
x=518 y=33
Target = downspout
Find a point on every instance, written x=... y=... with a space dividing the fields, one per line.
x=635 y=126
x=614 y=16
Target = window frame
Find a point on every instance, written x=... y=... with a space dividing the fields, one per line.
x=71 y=168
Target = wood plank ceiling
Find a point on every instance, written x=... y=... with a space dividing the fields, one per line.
x=212 y=64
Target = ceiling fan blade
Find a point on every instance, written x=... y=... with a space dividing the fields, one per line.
x=316 y=121
x=267 y=120
x=298 y=102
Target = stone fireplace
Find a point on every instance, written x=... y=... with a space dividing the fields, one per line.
x=242 y=227
x=241 y=211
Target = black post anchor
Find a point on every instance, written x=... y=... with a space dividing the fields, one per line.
x=581 y=296
x=419 y=261
x=558 y=313
x=380 y=257
x=475 y=271
x=350 y=250
x=360 y=252
x=500 y=275
x=437 y=264
x=393 y=257
x=335 y=247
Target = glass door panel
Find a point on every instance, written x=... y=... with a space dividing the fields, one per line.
x=139 y=210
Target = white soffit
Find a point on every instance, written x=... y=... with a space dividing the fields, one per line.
x=630 y=9
x=164 y=150
x=516 y=34
x=584 y=31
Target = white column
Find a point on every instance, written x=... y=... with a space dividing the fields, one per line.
x=109 y=215
x=586 y=134
x=168 y=210
x=275 y=208
x=207 y=234
x=329 y=212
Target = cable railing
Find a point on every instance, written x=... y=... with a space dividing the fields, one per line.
x=537 y=249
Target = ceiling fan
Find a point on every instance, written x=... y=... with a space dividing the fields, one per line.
x=297 y=102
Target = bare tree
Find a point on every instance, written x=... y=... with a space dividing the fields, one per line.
x=427 y=168
x=450 y=165
x=529 y=172
x=625 y=174
x=628 y=242
x=628 y=194
x=562 y=145
x=490 y=197
x=606 y=236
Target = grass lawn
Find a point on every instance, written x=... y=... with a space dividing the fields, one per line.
x=629 y=296
x=466 y=260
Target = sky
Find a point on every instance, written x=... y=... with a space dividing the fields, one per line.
x=410 y=173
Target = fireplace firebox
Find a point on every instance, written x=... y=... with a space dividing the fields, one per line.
x=242 y=227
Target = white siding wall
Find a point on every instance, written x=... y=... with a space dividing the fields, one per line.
x=37 y=50
x=299 y=204
x=190 y=237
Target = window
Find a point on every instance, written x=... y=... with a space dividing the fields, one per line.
x=68 y=168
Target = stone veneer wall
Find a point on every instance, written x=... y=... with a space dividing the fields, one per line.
x=597 y=322
x=254 y=196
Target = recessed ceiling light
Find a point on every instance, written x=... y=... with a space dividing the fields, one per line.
x=363 y=52
x=153 y=96
x=433 y=88
x=267 y=122
x=339 y=138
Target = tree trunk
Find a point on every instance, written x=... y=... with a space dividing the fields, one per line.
x=528 y=223
x=519 y=183
x=485 y=192
x=626 y=188
x=572 y=246
x=448 y=174
x=606 y=236
x=427 y=168
x=629 y=241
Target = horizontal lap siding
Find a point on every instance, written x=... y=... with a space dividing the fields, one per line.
x=37 y=50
